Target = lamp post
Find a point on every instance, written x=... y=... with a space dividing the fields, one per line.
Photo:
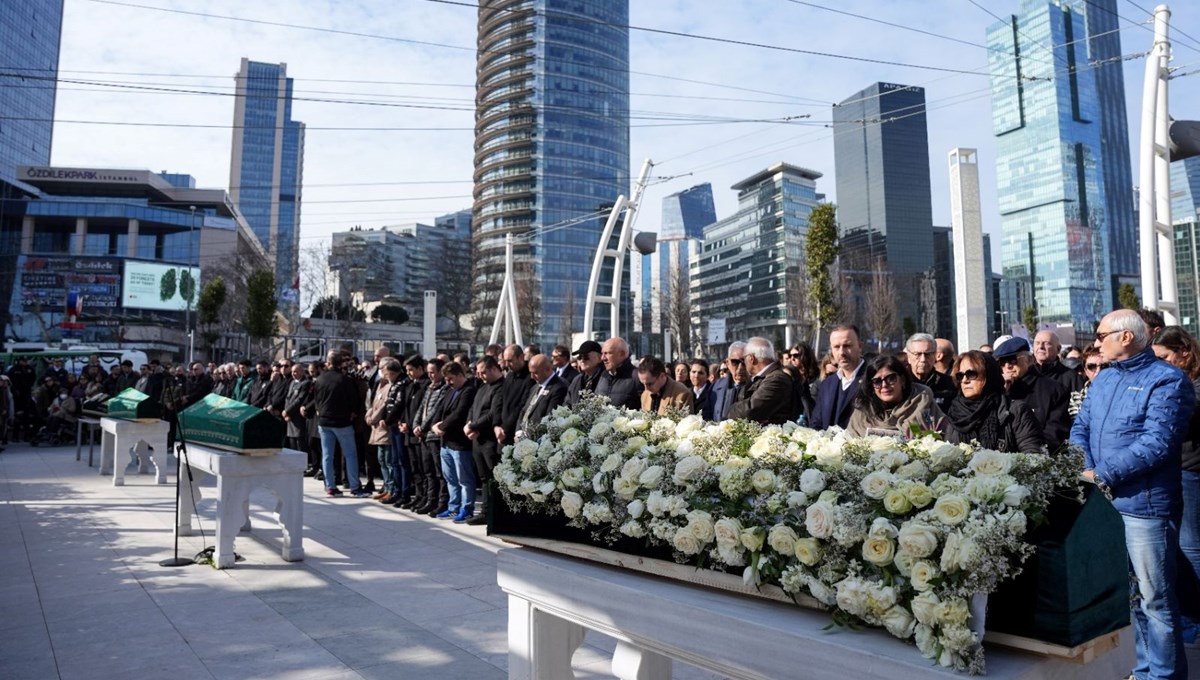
x=191 y=327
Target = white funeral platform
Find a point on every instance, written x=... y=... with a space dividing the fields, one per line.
x=120 y=436
x=237 y=475
x=554 y=600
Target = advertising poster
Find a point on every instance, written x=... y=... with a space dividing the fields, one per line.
x=149 y=285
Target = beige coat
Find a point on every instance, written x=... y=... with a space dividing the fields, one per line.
x=919 y=409
x=379 y=429
x=674 y=395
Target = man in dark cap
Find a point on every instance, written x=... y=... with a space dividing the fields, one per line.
x=590 y=368
x=1045 y=397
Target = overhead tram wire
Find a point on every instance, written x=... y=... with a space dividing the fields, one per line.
x=1150 y=18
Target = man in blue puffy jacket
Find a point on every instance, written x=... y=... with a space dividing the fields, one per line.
x=1130 y=427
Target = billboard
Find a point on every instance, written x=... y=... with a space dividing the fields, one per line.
x=148 y=285
x=44 y=283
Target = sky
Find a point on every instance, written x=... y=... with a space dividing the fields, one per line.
x=397 y=77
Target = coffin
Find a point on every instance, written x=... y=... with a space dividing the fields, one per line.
x=231 y=425
x=131 y=404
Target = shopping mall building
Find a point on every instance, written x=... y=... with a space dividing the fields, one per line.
x=132 y=249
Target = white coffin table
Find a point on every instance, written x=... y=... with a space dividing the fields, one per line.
x=237 y=475
x=121 y=435
x=554 y=600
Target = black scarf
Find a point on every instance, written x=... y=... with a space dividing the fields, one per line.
x=977 y=419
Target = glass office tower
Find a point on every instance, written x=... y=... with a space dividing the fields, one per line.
x=881 y=153
x=29 y=36
x=267 y=169
x=1061 y=151
x=551 y=145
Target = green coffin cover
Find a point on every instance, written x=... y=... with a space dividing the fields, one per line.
x=224 y=422
x=1076 y=587
x=132 y=405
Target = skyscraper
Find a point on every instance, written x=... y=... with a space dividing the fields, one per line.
x=267 y=169
x=551 y=145
x=29 y=37
x=1062 y=165
x=881 y=153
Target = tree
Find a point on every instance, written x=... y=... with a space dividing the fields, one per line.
x=1029 y=317
x=261 y=302
x=529 y=300
x=208 y=308
x=1127 y=296
x=454 y=283
x=567 y=336
x=314 y=274
x=821 y=250
x=880 y=303
x=333 y=309
x=679 y=313
x=389 y=313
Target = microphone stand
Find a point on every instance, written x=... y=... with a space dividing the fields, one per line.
x=180 y=454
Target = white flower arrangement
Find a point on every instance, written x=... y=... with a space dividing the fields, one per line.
x=890 y=533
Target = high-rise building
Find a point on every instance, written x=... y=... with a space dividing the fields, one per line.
x=267 y=168
x=1185 y=189
x=551 y=145
x=660 y=279
x=29 y=37
x=744 y=279
x=1187 y=271
x=881 y=152
x=1062 y=166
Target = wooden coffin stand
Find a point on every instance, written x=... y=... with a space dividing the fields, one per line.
x=1071 y=602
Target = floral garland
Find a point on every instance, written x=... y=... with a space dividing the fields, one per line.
x=892 y=533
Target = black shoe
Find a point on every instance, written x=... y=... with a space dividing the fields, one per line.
x=437 y=510
x=369 y=487
x=477 y=520
x=404 y=503
x=319 y=476
x=310 y=472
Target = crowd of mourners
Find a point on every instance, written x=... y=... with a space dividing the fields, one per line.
x=424 y=434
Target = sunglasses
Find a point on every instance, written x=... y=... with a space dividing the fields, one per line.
x=889 y=380
x=1101 y=336
x=969 y=375
x=794 y=355
x=1094 y=366
x=734 y=362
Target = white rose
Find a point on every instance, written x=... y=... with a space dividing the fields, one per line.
x=614 y=461
x=573 y=477
x=752 y=538
x=943 y=455
x=639 y=425
x=685 y=541
x=882 y=528
x=808 y=551
x=921 y=573
x=951 y=509
x=914 y=470
x=899 y=622
x=763 y=481
x=689 y=469
x=818 y=519
x=621 y=424
x=889 y=460
x=990 y=463
x=919 y=495
x=651 y=477
x=688 y=425
x=701 y=525
x=852 y=596
x=624 y=487
x=925 y=608
x=903 y=563
x=985 y=489
x=599 y=431
x=524 y=449
x=876 y=484
x=572 y=503
x=684 y=448
x=1015 y=495
x=634 y=467
x=635 y=508
x=569 y=436
x=879 y=551
x=895 y=502
x=917 y=539
x=812 y=481
x=634 y=444
x=782 y=539
x=728 y=532
x=597 y=451
x=797 y=500
x=926 y=640
x=953 y=612
x=761 y=447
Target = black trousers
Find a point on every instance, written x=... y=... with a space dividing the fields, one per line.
x=435 y=483
x=487 y=456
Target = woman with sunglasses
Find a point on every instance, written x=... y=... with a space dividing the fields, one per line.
x=983 y=413
x=1092 y=364
x=890 y=402
x=1177 y=347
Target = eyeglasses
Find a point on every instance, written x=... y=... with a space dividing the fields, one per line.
x=889 y=380
x=969 y=375
x=794 y=355
x=1007 y=361
x=734 y=362
x=1101 y=336
x=1094 y=366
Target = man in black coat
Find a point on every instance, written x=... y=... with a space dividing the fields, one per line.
x=277 y=392
x=485 y=414
x=768 y=398
x=298 y=394
x=260 y=389
x=702 y=389
x=921 y=349
x=619 y=382
x=1046 y=398
x=549 y=392
x=587 y=378
x=1046 y=348
x=725 y=389
x=427 y=467
x=514 y=393
x=337 y=403
x=197 y=386
x=457 y=463
x=414 y=368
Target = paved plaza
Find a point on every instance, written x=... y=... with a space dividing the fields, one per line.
x=381 y=593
